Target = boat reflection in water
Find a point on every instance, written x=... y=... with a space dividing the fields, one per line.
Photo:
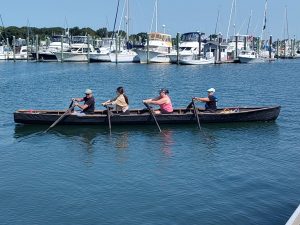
x=128 y=137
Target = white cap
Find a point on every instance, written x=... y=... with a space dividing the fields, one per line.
x=88 y=91
x=211 y=90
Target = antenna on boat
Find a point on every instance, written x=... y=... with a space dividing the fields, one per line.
x=217 y=21
x=287 y=23
x=113 y=34
x=265 y=20
x=249 y=22
x=232 y=4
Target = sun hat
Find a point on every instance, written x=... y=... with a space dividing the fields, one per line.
x=88 y=91
x=211 y=90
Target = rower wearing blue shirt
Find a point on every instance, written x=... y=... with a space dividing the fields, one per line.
x=210 y=100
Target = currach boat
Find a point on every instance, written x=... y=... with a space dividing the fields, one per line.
x=142 y=116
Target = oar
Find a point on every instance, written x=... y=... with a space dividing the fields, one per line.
x=108 y=118
x=71 y=107
x=189 y=106
x=151 y=112
x=196 y=113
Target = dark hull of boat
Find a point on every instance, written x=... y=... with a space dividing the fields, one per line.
x=180 y=116
x=45 y=57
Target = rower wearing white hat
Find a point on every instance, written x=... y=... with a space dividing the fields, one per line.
x=89 y=102
x=210 y=100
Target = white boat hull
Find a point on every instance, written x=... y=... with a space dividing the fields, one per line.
x=251 y=60
x=72 y=57
x=200 y=61
x=98 y=57
x=154 y=57
x=124 y=57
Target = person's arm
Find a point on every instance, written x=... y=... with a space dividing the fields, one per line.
x=202 y=99
x=150 y=100
x=83 y=107
x=159 y=101
x=109 y=102
x=78 y=99
x=87 y=104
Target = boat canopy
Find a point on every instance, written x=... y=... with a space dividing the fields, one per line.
x=57 y=38
x=159 y=37
x=192 y=36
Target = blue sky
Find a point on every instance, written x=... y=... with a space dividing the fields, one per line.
x=177 y=15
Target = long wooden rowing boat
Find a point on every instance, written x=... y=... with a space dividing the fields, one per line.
x=136 y=116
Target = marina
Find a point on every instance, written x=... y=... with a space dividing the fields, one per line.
x=247 y=158
x=193 y=121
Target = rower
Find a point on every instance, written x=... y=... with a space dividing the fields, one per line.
x=163 y=100
x=120 y=101
x=210 y=100
x=89 y=103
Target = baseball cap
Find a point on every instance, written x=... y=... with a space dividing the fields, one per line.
x=211 y=90
x=88 y=91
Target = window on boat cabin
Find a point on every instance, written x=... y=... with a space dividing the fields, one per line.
x=24 y=50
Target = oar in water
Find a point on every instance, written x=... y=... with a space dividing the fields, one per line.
x=108 y=118
x=196 y=113
x=152 y=114
x=71 y=107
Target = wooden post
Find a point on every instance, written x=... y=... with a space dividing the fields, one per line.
x=177 y=48
x=294 y=47
x=8 y=46
x=14 y=48
x=116 y=48
x=199 y=42
x=62 y=49
x=220 y=41
x=148 y=61
x=277 y=48
x=88 y=48
x=119 y=42
x=284 y=50
x=270 y=47
x=37 y=47
x=27 y=44
x=245 y=43
x=258 y=45
x=236 y=47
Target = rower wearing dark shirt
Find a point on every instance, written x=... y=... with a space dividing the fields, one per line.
x=210 y=100
x=89 y=102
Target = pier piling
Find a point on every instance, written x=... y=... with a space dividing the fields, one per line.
x=62 y=49
x=37 y=47
x=14 y=48
x=177 y=48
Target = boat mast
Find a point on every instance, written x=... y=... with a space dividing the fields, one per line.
x=264 y=22
x=287 y=23
x=232 y=4
x=249 y=22
x=217 y=21
x=127 y=20
x=156 y=15
x=113 y=34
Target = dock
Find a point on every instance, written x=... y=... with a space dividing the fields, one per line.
x=295 y=218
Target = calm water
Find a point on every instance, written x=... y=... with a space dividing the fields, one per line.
x=245 y=173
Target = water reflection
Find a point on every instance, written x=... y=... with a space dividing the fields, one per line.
x=209 y=136
x=167 y=142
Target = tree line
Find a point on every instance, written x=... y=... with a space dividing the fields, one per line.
x=43 y=33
